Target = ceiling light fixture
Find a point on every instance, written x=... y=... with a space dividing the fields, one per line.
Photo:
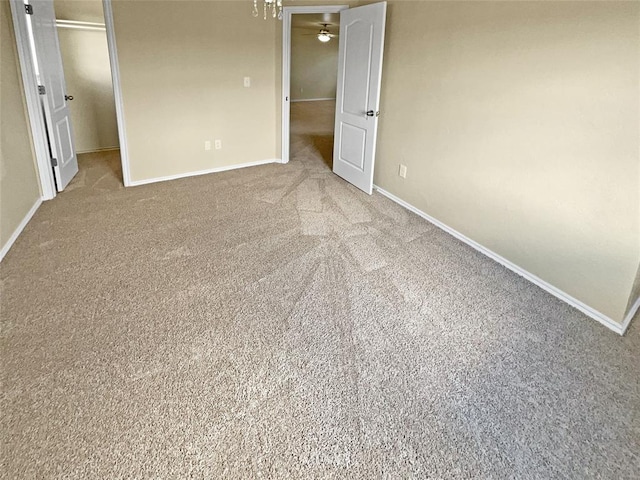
x=323 y=36
x=270 y=8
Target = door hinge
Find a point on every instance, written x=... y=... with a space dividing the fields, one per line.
x=41 y=89
x=54 y=162
x=28 y=9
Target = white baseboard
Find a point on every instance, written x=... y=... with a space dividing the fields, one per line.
x=311 y=100
x=16 y=233
x=630 y=314
x=135 y=183
x=565 y=297
x=96 y=150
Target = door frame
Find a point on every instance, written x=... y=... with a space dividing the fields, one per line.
x=34 y=110
x=117 y=91
x=286 y=66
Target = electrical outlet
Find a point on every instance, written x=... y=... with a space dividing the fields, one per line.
x=402 y=171
x=207 y=145
x=247 y=81
x=218 y=144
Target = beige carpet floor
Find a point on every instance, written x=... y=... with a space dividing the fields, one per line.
x=274 y=322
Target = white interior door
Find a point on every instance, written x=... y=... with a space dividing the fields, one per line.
x=358 y=93
x=56 y=110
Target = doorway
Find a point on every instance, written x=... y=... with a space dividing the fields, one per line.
x=359 y=76
x=313 y=74
x=76 y=108
x=304 y=91
x=87 y=72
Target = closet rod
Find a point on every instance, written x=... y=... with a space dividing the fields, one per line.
x=80 y=25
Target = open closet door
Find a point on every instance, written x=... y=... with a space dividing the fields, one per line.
x=56 y=110
x=358 y=93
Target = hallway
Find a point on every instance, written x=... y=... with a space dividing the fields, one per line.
x=312 y=125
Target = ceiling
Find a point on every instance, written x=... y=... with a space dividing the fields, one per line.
x=91 y=11
x=314 y=21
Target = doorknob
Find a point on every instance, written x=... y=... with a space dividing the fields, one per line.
x=371 y=113
x=68 y=97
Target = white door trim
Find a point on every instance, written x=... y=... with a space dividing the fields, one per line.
x=34 y=111
x=117 y=91
x=286 y=65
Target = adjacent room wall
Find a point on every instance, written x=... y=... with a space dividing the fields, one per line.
x=519 y=125
x=19 y=184
x=88 y=76
x=314 y=66
x=182 y=66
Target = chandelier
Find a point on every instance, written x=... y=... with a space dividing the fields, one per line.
x=270 y=8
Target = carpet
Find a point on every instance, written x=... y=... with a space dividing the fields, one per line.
x=275 y=322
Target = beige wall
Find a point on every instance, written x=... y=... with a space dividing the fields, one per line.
x=88 y=76
x=82 y=10
x=519 y=125
x=19 y=184
x=182 y=66
x=518 y=121
x=314 y=66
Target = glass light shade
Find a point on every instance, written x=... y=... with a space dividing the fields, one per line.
x=323 y=37
x=270 y=8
